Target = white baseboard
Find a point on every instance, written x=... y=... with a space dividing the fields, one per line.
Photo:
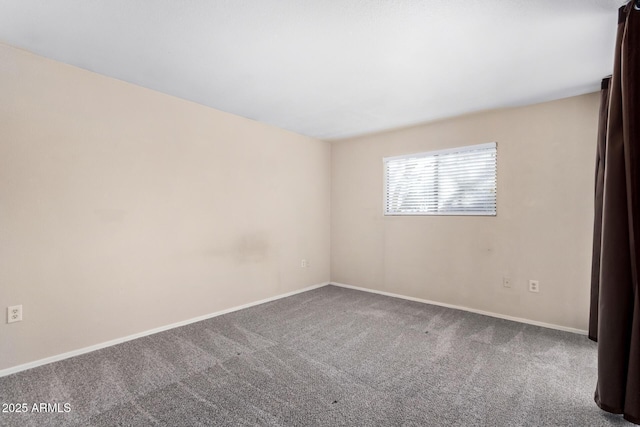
x=58 y=357
x=472 y=310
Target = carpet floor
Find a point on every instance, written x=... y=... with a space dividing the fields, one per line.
x=330 y=356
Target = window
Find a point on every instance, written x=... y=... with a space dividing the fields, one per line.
x=458 y=181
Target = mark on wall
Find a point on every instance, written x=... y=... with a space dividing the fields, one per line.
x=110 y=215
x=252 y=248
x=248 y=248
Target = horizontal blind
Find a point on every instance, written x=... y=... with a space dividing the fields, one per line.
x=459 y=181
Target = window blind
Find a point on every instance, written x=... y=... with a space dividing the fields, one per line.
x=459 y=181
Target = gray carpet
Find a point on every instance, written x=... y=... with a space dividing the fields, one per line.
x=330 y=356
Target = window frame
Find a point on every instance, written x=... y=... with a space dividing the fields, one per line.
x=435 y=153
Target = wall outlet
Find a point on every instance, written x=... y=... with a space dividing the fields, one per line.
x=304 y=263
x=14 y=314
x=506 y=282
x=534 y=286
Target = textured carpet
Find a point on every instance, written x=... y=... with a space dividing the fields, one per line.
x=330 y=356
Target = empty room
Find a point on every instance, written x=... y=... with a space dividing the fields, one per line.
x=322 y=213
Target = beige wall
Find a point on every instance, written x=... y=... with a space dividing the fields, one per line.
x=546 y=155
x=123 y=209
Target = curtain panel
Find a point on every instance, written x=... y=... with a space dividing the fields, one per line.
x=615 y=305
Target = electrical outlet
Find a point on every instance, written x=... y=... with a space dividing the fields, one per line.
x=14 y=314
x=534 y=286
x=506 y=282
x=304 y=263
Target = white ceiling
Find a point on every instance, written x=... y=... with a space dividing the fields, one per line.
x=331 y=68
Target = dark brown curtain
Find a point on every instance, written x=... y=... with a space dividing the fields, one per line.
x=615 y=295
x=597 y=220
